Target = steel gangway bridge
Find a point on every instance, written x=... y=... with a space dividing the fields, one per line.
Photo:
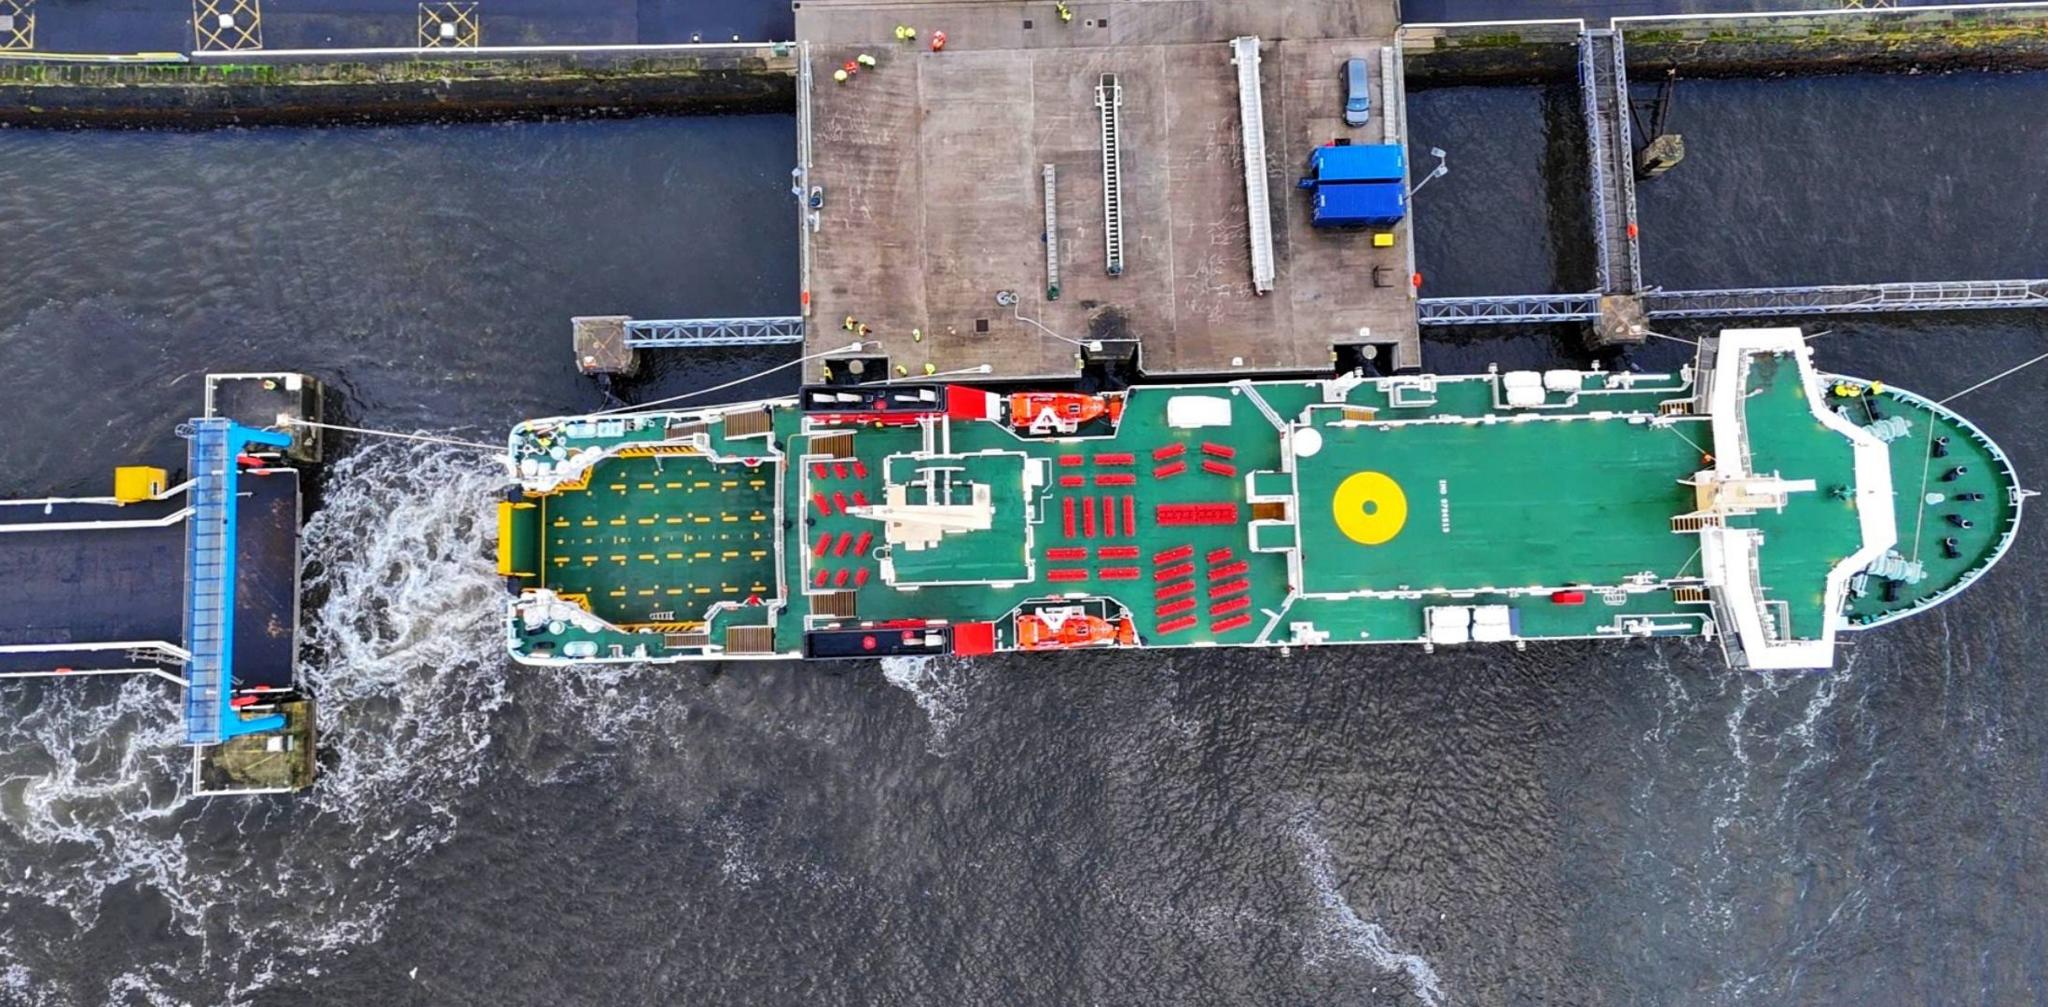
x=1622 y=302
x=660 y=334
x=1753 y=302
x=1603 y=94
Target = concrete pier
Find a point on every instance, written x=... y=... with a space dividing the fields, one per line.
x=932 y=167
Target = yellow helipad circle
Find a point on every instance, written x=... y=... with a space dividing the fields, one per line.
x=1370 y=508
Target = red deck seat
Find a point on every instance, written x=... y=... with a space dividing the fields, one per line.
x=1233 y=605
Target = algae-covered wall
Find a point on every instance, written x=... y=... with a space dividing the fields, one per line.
x=1865 y=41
x=306 y=91
x=1883 y=41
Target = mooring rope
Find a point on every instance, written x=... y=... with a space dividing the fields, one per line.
x=428 y=438
x=2008 y=372
x=641 y=406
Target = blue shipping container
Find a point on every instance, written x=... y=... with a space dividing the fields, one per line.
x=1357 y=204
x=1375 y=162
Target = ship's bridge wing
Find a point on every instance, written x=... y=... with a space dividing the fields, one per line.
x=1797 y=501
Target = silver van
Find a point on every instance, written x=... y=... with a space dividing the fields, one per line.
x=1357 y=99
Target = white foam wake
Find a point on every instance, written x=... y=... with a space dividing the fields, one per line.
x=403 y=655
x=1343 y=934
x=939 y=688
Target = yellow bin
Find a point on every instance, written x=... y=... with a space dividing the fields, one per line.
x=136 y=483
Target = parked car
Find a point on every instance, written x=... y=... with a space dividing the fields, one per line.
x=1357 y=97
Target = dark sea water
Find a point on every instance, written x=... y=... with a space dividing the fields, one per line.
x=1577 y=824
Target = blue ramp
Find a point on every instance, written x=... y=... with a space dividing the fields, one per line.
x=210 y=462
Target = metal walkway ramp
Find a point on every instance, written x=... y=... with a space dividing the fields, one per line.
x=1751 y=302
x=1109 y=98
x=686 y=332
x=211 y=452
x=1252 y=116
x=1603 y=92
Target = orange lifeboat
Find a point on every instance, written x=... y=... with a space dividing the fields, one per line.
x=1060 y=412
x=1064 y=629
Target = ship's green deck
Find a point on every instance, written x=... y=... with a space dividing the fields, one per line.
x=1546 y=502
x=1578 y=496
x=658 y=540
x=1603 y=492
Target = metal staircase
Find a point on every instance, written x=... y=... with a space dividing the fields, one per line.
x=1109 y=98
x=1252 y=117
x=210 y=463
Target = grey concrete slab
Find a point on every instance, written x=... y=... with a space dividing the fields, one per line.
x=932 y=164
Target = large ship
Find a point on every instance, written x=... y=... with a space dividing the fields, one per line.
x=1748 y=499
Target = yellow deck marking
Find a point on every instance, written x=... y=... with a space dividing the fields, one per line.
x=703 y=590
x=587 y=560
x=621 y=519
x=561 y=561
x=675 y=590
x=729 y=589
x=729 y=484
x=673 y=486
x=1369 y=508
x=646 y=592
x=646 y=486
x=673 y=520
x=646 y=520
x=589 y=522
x=702 y=555
x=618 y=592
x=758 y=553
x=646 y=557
x=703 y=485
x=561 y=522
x=675 y=555
x=757 y=483
x=619 y=559
x=729 y=518
x=700 y=518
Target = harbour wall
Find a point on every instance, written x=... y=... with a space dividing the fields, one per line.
x=1900 y=40
x=315 y=88
x=411 y=87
